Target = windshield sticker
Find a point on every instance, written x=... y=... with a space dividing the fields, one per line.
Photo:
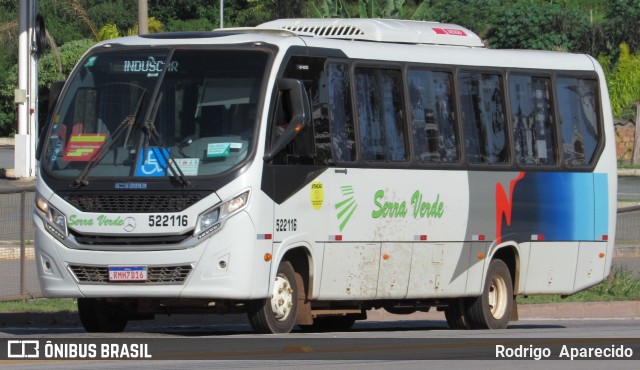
x=90 y=62
x=152 y=162
x=188 y=166
x=236 y=146
x=81 y=147
x=217 y=150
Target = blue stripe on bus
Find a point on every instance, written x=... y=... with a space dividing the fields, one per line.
x=561 y=206
x=601 y=222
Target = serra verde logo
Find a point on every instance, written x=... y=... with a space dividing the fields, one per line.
x=101 y=220
x=420 y=208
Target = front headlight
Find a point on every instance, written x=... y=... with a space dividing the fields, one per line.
x=57 y=221
x=212 y=219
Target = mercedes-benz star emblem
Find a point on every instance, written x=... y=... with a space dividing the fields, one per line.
x=129 y=224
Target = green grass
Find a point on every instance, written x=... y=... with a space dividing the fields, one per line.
x=626 y=166
x=40 y=305
x=621 y=285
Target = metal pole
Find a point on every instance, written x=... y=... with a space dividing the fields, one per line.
x=143 y=17
x=221 y=13
x=23 y=250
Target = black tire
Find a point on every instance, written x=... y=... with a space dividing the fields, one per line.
x=276 y=314
x=456 y=315
x=329 y=324
x=492 y=310
x=99 y=316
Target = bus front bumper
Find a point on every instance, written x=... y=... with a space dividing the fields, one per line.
x=225 y=266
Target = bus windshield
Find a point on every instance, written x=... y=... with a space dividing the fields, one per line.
x=202 y=119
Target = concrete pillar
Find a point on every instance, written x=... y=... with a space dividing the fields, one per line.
x=27 y=92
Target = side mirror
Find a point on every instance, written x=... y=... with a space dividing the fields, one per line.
x=54 y=93
x=300 y=117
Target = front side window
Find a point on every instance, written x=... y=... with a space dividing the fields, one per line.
x=483 y=118
x=380 y=114
x=577 y=103
x=203 y=117
x=343 y=138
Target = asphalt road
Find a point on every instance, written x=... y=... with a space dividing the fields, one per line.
x=629 y=188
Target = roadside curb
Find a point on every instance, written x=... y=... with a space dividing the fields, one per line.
x=569 y=310
x=628 y=172
x=580 y=310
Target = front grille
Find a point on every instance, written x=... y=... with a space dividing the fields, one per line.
x=132 y=203
x=155 y=274
x=129 y=239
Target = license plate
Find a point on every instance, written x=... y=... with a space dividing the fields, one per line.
x=127 y=273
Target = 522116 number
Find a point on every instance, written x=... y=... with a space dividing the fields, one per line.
x=168 y=220
x=286 y=224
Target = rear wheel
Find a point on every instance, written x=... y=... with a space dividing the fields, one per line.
x=456 y=315
x=100 y=316
x=492 y=310
x=277 y=314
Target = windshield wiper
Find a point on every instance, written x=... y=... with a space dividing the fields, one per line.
x=124 y=126
x=149 y=129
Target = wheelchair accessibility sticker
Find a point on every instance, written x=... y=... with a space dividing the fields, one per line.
x=153 y=162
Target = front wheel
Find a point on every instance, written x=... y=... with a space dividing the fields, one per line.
x=492 y=310
x=277 y=314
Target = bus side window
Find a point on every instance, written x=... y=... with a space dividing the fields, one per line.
x=577 y=103
x=380 y=114
x=532 y=120
x=432 y=116
x=483 y=118
x=343 y=137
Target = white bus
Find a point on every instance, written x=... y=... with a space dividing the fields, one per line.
x=306 y=171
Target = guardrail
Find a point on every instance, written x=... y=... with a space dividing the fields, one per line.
x=628 y=232
x=18 y=278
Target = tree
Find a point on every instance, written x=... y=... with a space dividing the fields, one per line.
x=111 y=31
x=623 y=81
x=328 y=9
x=389 y=9
x=476 y=15
x=623 y=24
x=545 y=27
